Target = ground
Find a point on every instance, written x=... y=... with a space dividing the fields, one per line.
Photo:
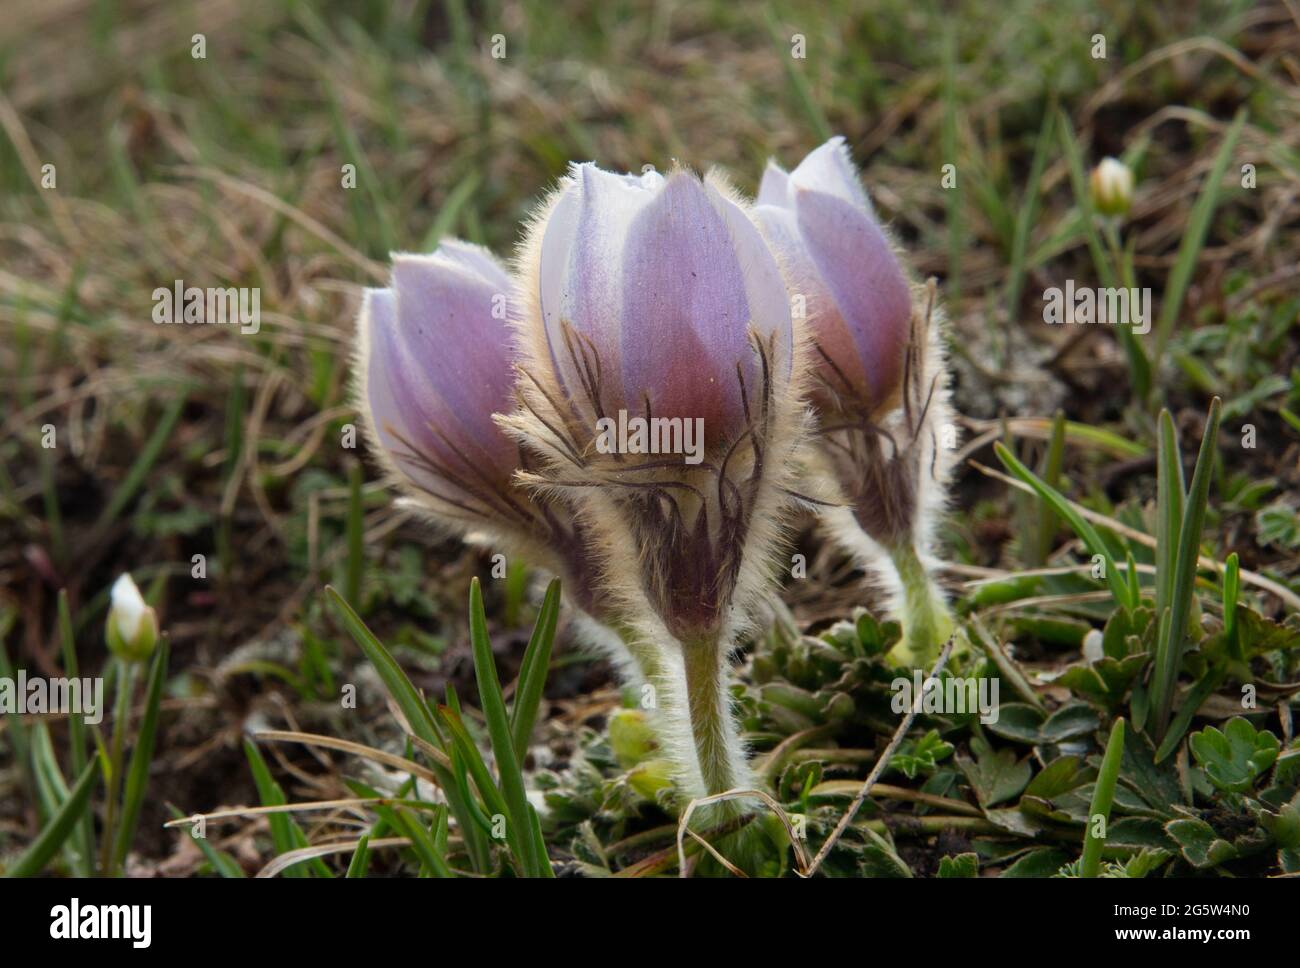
x=292 y=146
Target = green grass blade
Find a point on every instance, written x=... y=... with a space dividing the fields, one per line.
x=494 y=711
x=803 y=92
x=222 y=863
x=1198 y=224
x=1118 y=586
x=1079 y=182
x=535 y=825
x=78 y=754
x=1169 y=650
x=1231 y=593
x=137 y=773
x=61 y=825
x=360 y=863
x=1051 y=473
x=1025 y=218
x=1183 y=718
x=1103 y=794
x=407 y=697
x=952 y=196
x=421 y=721
x=470 y=763
x=1170 y=493
x=17 y=729
x=532 y=674
x=144 y=462
x=421 y=840
x=286 y=835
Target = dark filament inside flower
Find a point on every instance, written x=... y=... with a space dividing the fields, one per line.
x=689 y=521
x=882 y=487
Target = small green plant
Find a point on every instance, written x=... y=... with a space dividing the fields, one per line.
x=69 y=838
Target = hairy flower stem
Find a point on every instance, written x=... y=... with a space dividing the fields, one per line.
x=925 y=617
x=717 y=742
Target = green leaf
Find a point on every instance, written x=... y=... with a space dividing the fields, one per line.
x=1040 y=862
x=355 y=529
x=995 y=776
x=1102 y=796
x=1083 y=198
x=880 y=859
x=360 y=863
x=1191 y=703
x=1201 y=846
x=1118 y=586
x=963 y=865
x=532 y=674
x=408 y=699
x=1231 y=592
x=1235 y=758
x=921 y=755
x=410 y=826
x=494 y=711
x=79 y=752
x=1198 y=224
x=137 y=774
x=1156 y=784
x=1169 y=647
x=421 y=721
x=1170 y=494
x=222 y=863
x=144 y=461
x=286 y=835
x=61 y=825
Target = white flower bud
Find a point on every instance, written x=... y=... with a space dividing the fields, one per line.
x=1112 y=187
x=132 y=630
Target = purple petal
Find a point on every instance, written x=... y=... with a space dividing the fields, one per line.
x=829 y=170
x=685 y=311
x=581 y=277
x=853 y=258
x=438 y=364
x=810 y=295
x=774 y=189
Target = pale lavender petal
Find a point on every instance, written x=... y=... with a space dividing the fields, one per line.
x=477 y=259
x=452 y=326
x=400 y=409
x=685 y=311
x=814 y=299
x=853 y=258
x=829 y=170
x=774 y=189
x=765 y=291
x=556 y=250
x=590 y=297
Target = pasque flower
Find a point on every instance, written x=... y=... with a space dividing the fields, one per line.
x=655 y=298
x=880 y=388
x=436 y=362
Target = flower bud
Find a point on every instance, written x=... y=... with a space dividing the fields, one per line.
x=1111 y=186
x=132 y=629
x=842 y=274
x=655 y=300
x=882 y=397
x=630 y=737
x=436 y=365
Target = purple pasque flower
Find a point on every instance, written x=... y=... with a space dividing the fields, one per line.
x=657 y=298
x=880 y=386
x=857 y=300
x=437 y=362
